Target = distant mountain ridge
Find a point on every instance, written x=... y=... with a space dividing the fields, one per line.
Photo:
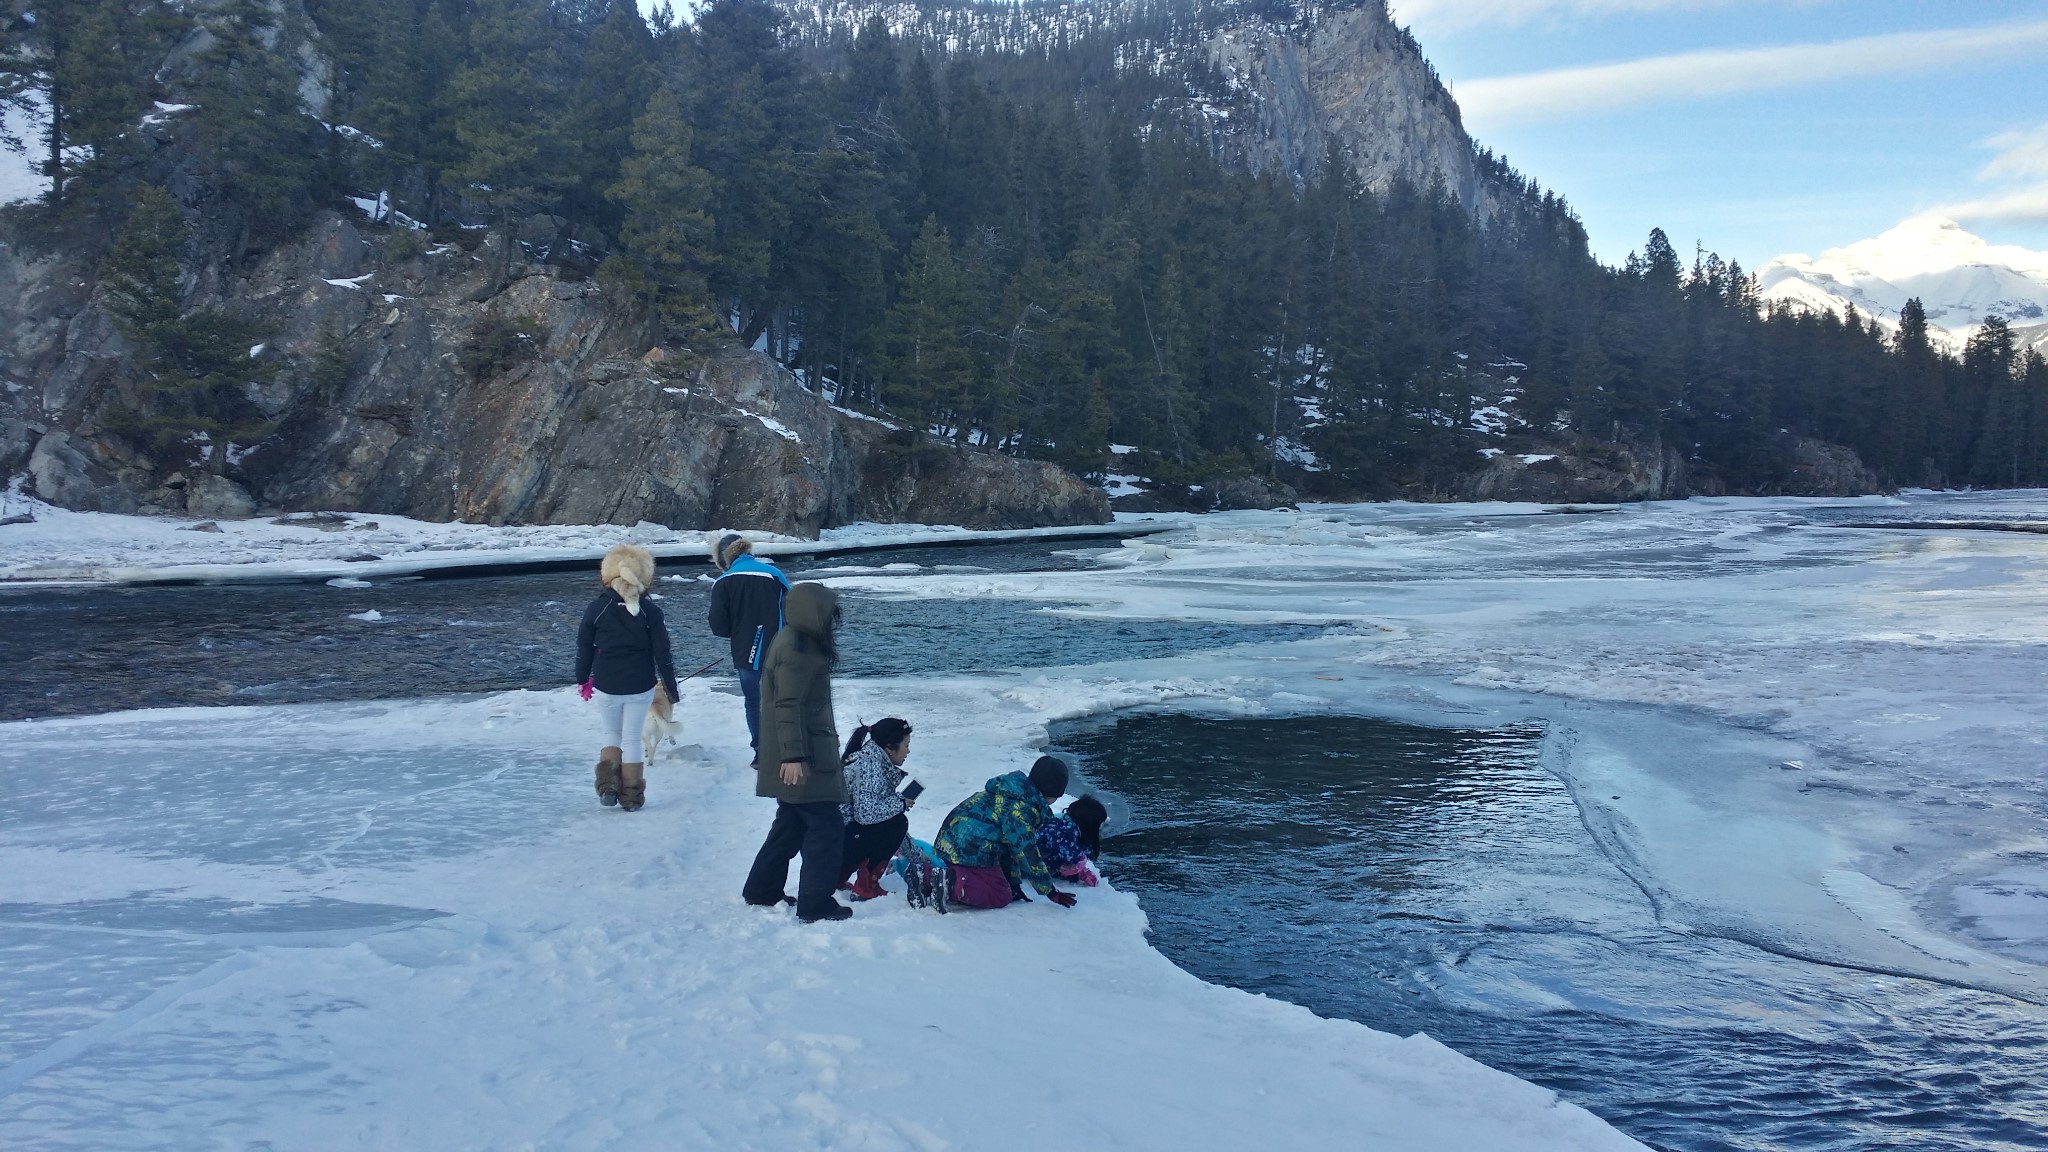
x=1273 y=86
x=1959 y=278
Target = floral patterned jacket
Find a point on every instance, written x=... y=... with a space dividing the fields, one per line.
x=872 y=782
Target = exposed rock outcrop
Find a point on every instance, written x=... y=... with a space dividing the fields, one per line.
x=1809 y=467
x=1222 y=494
x=1583 y=473
x=1349 y=77
x=1270 y=86
x=75 y=472
x=380 y=401
x=1595 y=472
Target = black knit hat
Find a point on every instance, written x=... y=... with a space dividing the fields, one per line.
x=1050 y=774
x=727 y=550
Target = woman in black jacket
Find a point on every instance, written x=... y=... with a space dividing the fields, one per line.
x=621 y=654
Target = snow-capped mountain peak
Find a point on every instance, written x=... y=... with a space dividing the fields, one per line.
x=1960 y=278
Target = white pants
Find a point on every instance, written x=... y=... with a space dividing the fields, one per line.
x=622 y=718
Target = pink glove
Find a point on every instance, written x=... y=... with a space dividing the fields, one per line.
x=1080 y=873
x=586 y=688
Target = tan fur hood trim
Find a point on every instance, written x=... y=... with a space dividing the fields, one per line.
x=628 y=569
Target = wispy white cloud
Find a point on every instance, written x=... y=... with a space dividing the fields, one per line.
x=2022 y=163
x=2023 y=154
x=2025 y=206
x=1455 y=15
x=1688 y=76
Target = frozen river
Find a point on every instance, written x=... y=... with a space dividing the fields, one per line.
x=1745 y=794
x=1441 y=881
x=72 y=651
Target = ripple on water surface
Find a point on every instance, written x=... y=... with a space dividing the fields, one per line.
x=1419 y=879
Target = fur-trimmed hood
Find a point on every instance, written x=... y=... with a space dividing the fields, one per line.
x=628 y=569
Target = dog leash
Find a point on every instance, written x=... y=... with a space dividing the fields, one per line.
x=703 y=670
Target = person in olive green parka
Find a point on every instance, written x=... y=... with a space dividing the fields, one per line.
x=797 y=764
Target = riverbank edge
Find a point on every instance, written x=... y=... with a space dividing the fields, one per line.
x=516 y=560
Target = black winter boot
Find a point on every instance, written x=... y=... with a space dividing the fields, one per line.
x=838 y=911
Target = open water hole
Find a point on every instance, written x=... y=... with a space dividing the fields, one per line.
x=1433 y=880
x=75 y=651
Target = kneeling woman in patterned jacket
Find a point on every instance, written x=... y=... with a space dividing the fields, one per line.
x=875 y=816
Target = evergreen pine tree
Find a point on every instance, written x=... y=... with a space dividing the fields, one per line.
x=513 y=155
x=1989 y=365
x=195 y=365
x=928 y=371
x=667 y=234
x=616 y=78
x=82 y=68
x=259 y=143
x=752 y=106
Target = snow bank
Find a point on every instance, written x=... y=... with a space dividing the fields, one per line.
x=95 y=547
x=20 y=178
x=412 y=926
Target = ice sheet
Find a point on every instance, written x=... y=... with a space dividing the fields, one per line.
x=1902 y=670
x=412 y=926
x=1815 y=740
x=65 y=547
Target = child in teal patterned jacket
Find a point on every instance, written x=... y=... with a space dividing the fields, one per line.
x=989 y=841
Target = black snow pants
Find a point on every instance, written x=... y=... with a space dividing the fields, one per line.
x=819 y=834
x=872 y=843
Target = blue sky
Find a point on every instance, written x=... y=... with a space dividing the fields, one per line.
x=1811 y=124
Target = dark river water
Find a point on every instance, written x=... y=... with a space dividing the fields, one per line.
x=72 y=651
x=1425 y=880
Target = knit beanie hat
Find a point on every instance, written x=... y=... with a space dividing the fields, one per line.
x=1050 y=775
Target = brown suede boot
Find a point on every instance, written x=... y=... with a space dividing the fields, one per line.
x=632 y=787
x=608 y=777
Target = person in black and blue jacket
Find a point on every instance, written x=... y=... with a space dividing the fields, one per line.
x=746 y=607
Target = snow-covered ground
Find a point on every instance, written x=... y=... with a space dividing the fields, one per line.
x=409 y=925
x=19 y=178
x=61 y=546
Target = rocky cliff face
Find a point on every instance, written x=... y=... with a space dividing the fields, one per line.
x=576 y=418
x=1271 y=86
x=1347 y=77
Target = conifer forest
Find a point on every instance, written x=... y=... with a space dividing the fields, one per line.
x=1026 y=249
